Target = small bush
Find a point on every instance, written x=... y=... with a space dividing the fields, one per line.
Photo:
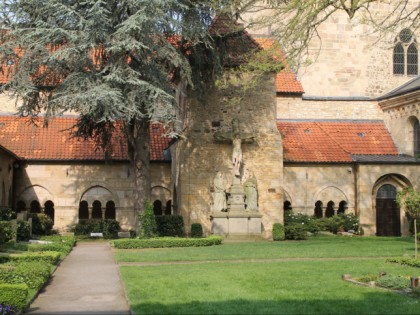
x=5 y=214
x=14 y=295
x=23 y=232
x=45 y=257
x=33 y=274
x=41 y=224
x=164 y=242
x=278 y=232
x=335 y=224
x=393 y=282
x=7 y=232
x=196 y=230
x=170 y=225
x=148 y=226
x=412 y=262
x=351 y=222
x=295 y=231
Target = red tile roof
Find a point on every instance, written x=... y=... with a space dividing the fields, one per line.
x=33 y=142
x=321 y=141
x=286 y=80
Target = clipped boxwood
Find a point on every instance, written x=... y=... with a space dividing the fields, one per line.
x=14 y=295
x=196 y=230
x=278 y=232
x=170 y=225
x=295 y=231
x=163 y=242
x=53 y=247
x=45 y=257
x=33 y=274
x=67 y=240
x=412 y=262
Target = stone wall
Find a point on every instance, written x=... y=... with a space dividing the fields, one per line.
x=294 y=107
x=198 y=157
x=66 y=184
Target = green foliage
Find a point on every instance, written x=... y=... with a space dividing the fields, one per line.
x=409 y=200
x=367 y=278
x=412 y=262
x=7 y=232
x=53 y=247
x=23 y=232
x=170 y=225
x=393 y=282
x=334 y=224
x=163 y=242
x=147 y=220
x=14 y=295
x=5 y=214
x=108 y=227
x=45 y=257
x=410 y=220
x=33 y=274
x=196 y=230
x=295 y=231
x=41 y=224
x=67 y=240
x=278 y=232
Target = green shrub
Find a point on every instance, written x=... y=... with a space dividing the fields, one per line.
x=351 y=222
x=196 y=230
x=23 y=232
x=45 y=257
x=170 y=225
x=335 y=224
x=148 y=226
x=367 y=278
x=53 y=247
x=67 y=240
x=411 y=224
x=295 y=231
x=393 y=282
x=412 y=262
x=7 y=232
x=163 y=242
x=41 y=224
x=278 y=232
x=5 y=214
x=108 y=227
x=33 y=274
x=14 y=295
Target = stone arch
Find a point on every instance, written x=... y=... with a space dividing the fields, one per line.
x=160 y=193
x=412 y=131
x=286 y=196
x=99 y=193
x=35 y=192
x=329 y=193
x=389 y=223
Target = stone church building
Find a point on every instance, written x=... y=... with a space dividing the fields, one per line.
x=339 y=135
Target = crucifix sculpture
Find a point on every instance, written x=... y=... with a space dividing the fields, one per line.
x=237 y=138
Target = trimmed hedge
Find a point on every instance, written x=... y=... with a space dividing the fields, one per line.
x=196 y=230
x=67 y=240
x=45 y=257
x=278 y=232
x=163 y=242
x=170 y=225
x=33 y=274
x=108 y=227
x=412 y=262
x=14 y=295
x=295 y=231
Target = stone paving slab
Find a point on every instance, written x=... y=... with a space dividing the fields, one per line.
x=86 y=282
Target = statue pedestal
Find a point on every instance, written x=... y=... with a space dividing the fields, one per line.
x=236 y=224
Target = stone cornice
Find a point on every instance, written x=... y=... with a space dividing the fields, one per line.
x=400 y=101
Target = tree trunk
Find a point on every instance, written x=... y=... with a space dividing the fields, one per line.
x=139 y=141
x=415 y=239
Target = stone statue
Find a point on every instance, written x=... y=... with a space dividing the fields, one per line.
x=237 y=138
x=219 y=194
x=251 y=192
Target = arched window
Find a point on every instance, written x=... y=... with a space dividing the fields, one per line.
x=329 y=212
x=318 y=209
x=35 y=207
x=287 y=206
x=157 y=207
x=110 y=210
x=416 y=137
x=96 y=210
x=20 y=206
x=49 y=209
x=83 y=210
x=168 y=209
x=405 y=54
x=342 y=207
x=412 y=60
x=399 y=59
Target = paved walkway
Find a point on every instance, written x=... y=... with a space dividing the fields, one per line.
x=86 y=282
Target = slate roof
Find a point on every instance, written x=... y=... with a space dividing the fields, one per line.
x=334 y=141
x=33 y=142
x=402 y=158
x=408 y=87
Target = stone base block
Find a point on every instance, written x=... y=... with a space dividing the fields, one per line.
x=239 y=224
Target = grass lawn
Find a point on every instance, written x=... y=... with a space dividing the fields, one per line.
x=267 y=287
x=317 y=247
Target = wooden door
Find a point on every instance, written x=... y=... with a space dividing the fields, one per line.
x=388 y=221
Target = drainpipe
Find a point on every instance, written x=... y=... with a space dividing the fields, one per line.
x=356 y=188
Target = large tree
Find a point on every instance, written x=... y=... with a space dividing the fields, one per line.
x=116 y=63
